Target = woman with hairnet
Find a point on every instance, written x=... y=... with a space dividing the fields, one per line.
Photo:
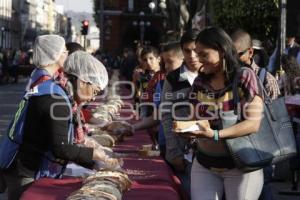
x=87 y=83
x=47 y=142
x=49 y=55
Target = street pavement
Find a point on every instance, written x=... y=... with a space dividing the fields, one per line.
x=11 y=94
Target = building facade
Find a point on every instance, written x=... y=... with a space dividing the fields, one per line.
x=128 y=22
x=21 y=21
x=61 y=22
x=5 y=23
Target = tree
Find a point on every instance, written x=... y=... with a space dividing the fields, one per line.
x=96 y=7
x=259 y=18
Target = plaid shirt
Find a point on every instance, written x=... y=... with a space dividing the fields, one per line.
x=150 y=90
x=270 y=83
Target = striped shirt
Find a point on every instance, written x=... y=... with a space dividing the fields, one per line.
x=151 y=86
x=213 y=105
x=206 y=100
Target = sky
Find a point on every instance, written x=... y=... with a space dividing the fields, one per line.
x=76 y=5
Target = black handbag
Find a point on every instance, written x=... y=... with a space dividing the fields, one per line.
x=273 y=143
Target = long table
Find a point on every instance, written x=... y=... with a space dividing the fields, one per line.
x=152 y=177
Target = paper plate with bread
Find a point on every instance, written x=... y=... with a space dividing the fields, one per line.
x=189 y=126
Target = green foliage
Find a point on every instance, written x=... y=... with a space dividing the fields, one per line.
x=96 y=16
x=259 y=17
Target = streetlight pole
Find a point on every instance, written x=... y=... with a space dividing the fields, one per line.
x=152 y=6
x=2 y=36
x=142 y=27
x=101 y=24
x=282 y=30
x=84 y=42
x=142 y=31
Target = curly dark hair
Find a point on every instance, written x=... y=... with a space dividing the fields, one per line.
x=292 y=74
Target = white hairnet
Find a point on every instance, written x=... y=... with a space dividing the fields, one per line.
x=47 y=49
x=87 y=68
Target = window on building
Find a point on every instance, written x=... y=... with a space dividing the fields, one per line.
x=130 y=5
x=110 y=4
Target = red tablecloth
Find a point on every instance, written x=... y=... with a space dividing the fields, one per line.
x=52 y=189
x=293 y=105
x=152 y=178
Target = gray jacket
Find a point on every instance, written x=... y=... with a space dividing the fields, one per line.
x=176 y=89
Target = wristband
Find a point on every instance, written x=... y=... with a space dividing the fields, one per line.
x=216 y=135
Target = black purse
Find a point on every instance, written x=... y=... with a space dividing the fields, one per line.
x=273 y=143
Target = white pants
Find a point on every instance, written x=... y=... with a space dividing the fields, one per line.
x=208 y=185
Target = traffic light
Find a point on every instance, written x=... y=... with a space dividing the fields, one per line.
x=84 y=27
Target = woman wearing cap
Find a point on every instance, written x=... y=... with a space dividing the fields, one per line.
x=47 y=140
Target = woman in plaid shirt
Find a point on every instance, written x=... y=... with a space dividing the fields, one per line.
x=213 y=170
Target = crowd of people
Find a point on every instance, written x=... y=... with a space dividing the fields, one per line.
x=205 y=63
x=196 y=74
x=10 y=62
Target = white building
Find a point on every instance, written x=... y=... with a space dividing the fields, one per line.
x=59 y=9
x=45 y=16
x=60 y=21
x=37 y=17
x=93 y=38
x=22 y=20
x=5 y=23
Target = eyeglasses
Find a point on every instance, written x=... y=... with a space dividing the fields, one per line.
x=96 y=90
x=242 y=52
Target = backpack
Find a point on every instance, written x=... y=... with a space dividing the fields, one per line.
x=11 y=141
x=262 y=73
